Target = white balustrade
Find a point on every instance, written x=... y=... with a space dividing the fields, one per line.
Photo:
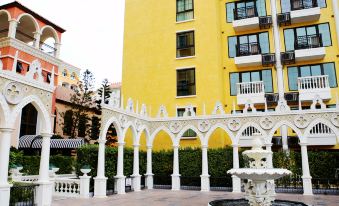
x=313 y=82
x=250 y=87
x=67 y=187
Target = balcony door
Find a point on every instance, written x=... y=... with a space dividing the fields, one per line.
x=248 y=45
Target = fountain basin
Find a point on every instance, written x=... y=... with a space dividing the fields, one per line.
x=244 y=202
x=259 y=174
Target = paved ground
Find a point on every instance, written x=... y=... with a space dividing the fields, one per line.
x=183 y=198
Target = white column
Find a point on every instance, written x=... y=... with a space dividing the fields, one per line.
x=57 y=47
x=175 y=175
x=307 y=179
x=205 y=177
x=136 y=176
x=5 y=144
x=149 y=174
x=278 y=65
x=335 y=7
x=100 y=181
x=270 y=157
x=13 y=23
x=284 y=138
x=84 y=186
x=236 y=182
x=120 y=178
x=37 y=36
x=45 y=188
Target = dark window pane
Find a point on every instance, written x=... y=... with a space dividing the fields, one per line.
x=186 y=82
x=329 y=69
x=232 y=42
x=234 y=79
x=293 y=78
x=230 y=12
x=324 y=30
x=185 y=44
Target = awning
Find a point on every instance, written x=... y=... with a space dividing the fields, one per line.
x=35 y=142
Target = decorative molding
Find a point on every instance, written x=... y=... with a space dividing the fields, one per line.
x=218 y=107
x=162 y=112
x=189 y=111
x=266 y=123
x=301 y=122
x=234 y=125
x=175 y=127
x=13 y=92
x=335 y=119
x=204 y=125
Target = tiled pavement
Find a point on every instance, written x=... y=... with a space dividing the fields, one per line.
x=183 y=198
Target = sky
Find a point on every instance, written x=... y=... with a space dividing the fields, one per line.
x=94 y=33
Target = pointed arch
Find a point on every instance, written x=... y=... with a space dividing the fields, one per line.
x=105 y=128
x=214 y=128
x=141 y=130
x=157 y=131
x=53 y=32
x=131 y=126
x=249 y=125
x=187 y=127
x=43 y=113
x=4 y=112
x=284 y=123
x=321 y=121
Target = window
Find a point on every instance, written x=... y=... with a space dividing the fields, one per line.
x=68 y=122
x=245 y=9
x=307 y=37
x=19 y=67
x=64 y=73
x=186 y=82
x=188 y=133
x=185 y=44
x=72 y=76
x=251 y=76
x=185 y=10
x=251 y=44
x=286 y=4
x=311 y=70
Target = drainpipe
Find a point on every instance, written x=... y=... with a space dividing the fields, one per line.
x=336 y=18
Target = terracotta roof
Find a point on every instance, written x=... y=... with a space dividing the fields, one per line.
x=116 y=85
x=37 y=16
x=63 y=93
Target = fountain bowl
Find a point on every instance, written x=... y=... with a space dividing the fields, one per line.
x=259 y=174
x=244 y=202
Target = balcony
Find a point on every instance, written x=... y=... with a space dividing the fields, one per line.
x=301 y=11
x=249 y=54
x=247 y=19
x=307 y=48
x=314 y=86
x=250 y=92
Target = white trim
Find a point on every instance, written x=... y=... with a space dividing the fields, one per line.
x=186 y=67
x=188 y=96
x=188 y=57
x=187 y=30
x=184 y=21
x=189 y=138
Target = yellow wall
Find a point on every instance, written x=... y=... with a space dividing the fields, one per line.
x=150 y=64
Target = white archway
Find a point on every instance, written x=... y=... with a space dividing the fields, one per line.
x=247 y=125
x=5 y=17
x=35 y=22
x=53 y=32
x=164 y=129
x=322 y=121
x=147 y=133
x=105 y=128
x=186 y=128
x=214 y=128
x=288 y=124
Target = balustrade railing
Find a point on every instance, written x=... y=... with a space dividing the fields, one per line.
x=313 y=82
x=67 y=187
x=250 y=87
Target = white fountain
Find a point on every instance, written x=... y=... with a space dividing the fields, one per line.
x=260 y=187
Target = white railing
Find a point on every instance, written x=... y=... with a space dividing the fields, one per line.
x=29 y=178
x=320 y=129
x=313 y=82
x=250 y=87
x=67 y=187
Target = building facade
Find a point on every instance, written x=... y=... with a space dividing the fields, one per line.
x=242 y=54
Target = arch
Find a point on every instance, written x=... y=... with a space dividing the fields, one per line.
x=322 y=121
x=147 y=133
x=159 y=129
x=286 y=123
x=65 y=72
x=4 y=112
x=131 y=126
x=214 y=128
x=6 y=12
x=44 y=115
x=246 y=126
x=36 y=24
x=54 y=32
x=105 y=128
x=187 y=127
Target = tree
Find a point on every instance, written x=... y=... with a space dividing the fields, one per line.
x=81 y=102
x=105 y=86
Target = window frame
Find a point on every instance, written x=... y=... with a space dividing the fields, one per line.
x=191 y=46
x=322 y=73
x=260 y=73
x=243 y=1
x=195 y=82
x=290 y=6
x=185 y=11
x=317 y=32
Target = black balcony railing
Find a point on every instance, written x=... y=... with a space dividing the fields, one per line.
x=245 y=12
x=287 y=57
x=248 y=49
x=22 y=195
x=303 y=4
x=284 y=19
x=308 y=42
x=265 y=22
x=268 y=59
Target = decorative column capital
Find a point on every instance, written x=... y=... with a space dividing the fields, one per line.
x=14 y=21
x=46 y=134
x=37 y=33
x=149 y=146
x=303 y=144
x=102 y=141
x=136 y=145
x=176 y=146
x=204 y=146
x=6 y=130
x=235 y=145
x=121 y=143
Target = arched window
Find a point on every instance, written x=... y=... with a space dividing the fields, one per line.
x=64 y=73
x=29 y=117
x=4 y=24
x=68 y=122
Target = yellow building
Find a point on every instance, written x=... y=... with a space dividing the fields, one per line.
x=240 y=53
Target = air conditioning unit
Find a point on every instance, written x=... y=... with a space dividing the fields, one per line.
x=291 y=97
